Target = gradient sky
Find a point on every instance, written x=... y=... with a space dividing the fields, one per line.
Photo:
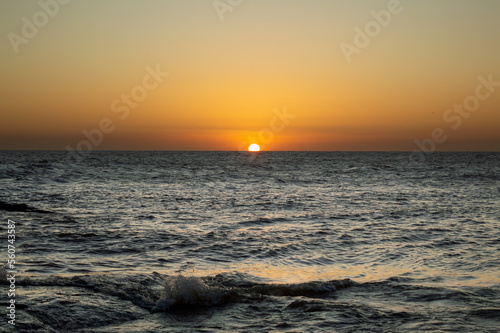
x=227 y=76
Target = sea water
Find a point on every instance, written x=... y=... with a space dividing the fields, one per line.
x=252 y=242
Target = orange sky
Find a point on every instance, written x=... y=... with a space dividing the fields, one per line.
x=227 y=79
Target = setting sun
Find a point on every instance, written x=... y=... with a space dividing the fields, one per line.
x=254 y=147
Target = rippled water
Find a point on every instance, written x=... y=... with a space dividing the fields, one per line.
x=275 y=241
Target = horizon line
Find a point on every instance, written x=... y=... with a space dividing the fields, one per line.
x=262 y=151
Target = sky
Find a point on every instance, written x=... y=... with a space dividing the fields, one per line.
x=313 y=75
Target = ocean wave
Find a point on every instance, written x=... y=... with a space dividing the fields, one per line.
x=158 y=292
x=263 y=221
x=307 y=289
x=15 y=207
x=481 y=176
x=100 y=301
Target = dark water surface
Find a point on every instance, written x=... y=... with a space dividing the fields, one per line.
x=269 y=242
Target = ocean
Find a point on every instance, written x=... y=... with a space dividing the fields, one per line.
x=250 y=242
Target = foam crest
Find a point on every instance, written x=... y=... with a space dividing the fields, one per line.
x=190 y=290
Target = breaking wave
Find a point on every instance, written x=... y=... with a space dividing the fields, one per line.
x=100 y=301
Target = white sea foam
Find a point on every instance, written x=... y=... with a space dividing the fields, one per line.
x=189 y=290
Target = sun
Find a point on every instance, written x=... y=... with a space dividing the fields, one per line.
x=254 y=147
